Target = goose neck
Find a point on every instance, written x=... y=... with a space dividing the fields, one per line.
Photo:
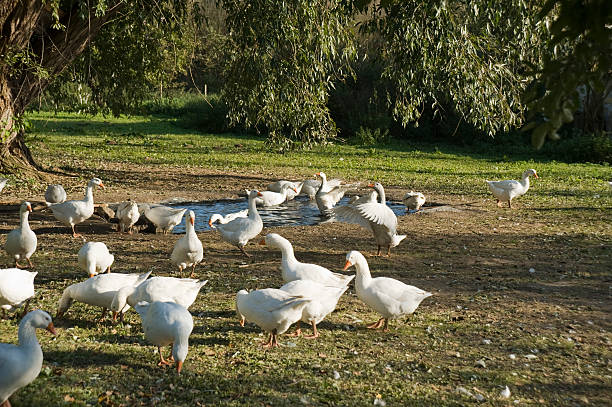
x=525 y=181
x=381 y=194
x=27 y=333
x=253 y=208
x=363 y=276
x=89 y=193
x=25 y=225
x=189 y=229
x=287 y=252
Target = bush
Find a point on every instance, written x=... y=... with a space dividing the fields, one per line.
x=360 y=102
x=576 y=146
x=368 y=137
x=206 y=114
x=74 y=97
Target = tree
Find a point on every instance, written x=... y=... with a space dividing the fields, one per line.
x=581 y=56
x=282 y=62
x=462 y=58
x=39 y=39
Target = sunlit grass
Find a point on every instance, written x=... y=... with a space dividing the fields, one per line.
x=487 y=305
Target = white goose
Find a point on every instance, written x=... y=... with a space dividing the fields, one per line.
x=358 y=200
x=506 y=190
x=295 y=188
x=413 y=200
x=163 y=217
x=166 y=323
x=55 y=194
x=21 y=364
x=99 y=291
x=376 y=217
x=94 y=258
x=292 y=269
x=16 y=288
x=188 y=250
x=73 y=212
x=182 y=291
x=327 y=196
x=128 y=215
x=271 y=198
x=239 y=231
x=271 y=309
x=21 y=242
x=324 y=301
x=311 y=186
x=389 y=297
x=217 y=217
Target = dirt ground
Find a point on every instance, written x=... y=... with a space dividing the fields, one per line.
x=476 y=261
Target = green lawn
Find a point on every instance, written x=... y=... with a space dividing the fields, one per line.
x=486 y=305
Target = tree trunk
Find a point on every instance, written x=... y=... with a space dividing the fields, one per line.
x=14 y=154
x=27 y=25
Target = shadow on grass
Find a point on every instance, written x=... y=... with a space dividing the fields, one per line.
x=81 y=357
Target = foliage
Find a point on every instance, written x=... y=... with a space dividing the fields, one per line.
x=135 y=55
x=450 y=55
x=577 y=146
x=367 y=136
x=191 y=111
x=283 y=58
x=361 y=99
x=581 y=40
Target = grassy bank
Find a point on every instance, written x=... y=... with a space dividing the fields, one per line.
x=487 y=305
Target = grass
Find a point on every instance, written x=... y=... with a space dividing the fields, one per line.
x=487 y=304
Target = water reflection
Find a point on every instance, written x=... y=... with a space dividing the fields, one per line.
x=299 y=212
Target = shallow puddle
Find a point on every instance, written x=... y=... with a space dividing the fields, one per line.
x=299 y=212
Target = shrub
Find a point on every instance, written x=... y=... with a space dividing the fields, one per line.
x=206 y=114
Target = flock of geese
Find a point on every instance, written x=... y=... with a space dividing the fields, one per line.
x=309 y=294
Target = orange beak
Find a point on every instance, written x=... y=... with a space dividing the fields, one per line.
x=29 y=208
x=91 y=275
x=294 y=190
x=191 y=221
x=102 y=185
x=318 y=174
x=259 y=194
x=536 y=175
x=242 y=320
x=262 y=242
x=179 y=367
x=210 y=222
x=347 y=265
x=51 y=328
x=371 y=185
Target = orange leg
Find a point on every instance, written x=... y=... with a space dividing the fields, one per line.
x=298 y=330
x=162 y=361
x=104 y=311
x=315 y=333
x=30 y=263
x=74 y=233
x=242 y=250
x=273 y=341
x=377 y=324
